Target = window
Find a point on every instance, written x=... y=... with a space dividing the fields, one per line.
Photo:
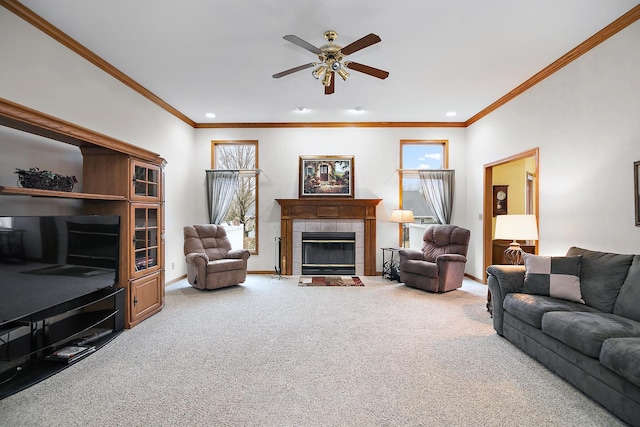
x=241 y=156
x=418 y=155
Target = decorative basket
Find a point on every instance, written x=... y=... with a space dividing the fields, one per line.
x=45 y=180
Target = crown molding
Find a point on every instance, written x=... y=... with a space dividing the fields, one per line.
x=333 y=125
x=609 y=31
x=43 y=25
x=46 y=27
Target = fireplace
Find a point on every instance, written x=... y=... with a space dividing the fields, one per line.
x=328 y=253
x=319 y=214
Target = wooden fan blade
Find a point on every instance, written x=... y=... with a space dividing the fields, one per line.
x=293 y=70
x=328 y=90
x=375 y=72
x=365 y=41
x=303 y=44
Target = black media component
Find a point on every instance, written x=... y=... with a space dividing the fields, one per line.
x=58 y=277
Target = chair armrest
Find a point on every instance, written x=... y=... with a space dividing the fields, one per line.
x=193 y=257
x=197 y=268
x=503 y=280
x=451 y=258
x=238 y=253
x=406 y=254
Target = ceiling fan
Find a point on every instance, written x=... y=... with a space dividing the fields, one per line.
x=332 y=61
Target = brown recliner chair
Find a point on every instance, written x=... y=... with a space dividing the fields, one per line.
x=211 y=263
x=439 y=266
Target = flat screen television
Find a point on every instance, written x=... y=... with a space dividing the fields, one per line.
x=49 y=260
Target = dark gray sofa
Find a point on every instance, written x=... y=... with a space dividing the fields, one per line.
x=596 y=345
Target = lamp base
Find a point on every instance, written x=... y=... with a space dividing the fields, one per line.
x=514 y=254
x=404 y=236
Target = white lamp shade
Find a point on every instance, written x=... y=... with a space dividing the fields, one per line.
x=401 y=216
x=516 y=227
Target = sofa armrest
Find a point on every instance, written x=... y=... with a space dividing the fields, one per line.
x=196 y=268
x=503 y=280
x=238 y=253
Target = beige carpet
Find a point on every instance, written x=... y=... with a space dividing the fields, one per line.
x=272 y=353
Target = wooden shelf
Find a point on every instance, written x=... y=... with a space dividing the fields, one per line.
x=17 y=191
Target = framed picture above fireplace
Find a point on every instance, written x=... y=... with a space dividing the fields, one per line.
x=326 y=176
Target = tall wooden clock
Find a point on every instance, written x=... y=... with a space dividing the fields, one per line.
x=500 y=199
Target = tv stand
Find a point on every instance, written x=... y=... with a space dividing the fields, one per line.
x=27 y=343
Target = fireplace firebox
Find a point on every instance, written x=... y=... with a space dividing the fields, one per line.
x=328 y=253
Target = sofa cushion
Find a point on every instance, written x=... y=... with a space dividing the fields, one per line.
x=423 y=268
x=601 y=276
x=530 y=308
x=586 y=332
x=225 y=264
x=628 y=302
x=556 y=277
x=621 y=355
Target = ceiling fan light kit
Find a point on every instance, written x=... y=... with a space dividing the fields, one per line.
x=332 y=61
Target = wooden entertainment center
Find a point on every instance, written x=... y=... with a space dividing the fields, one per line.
x=118 y=179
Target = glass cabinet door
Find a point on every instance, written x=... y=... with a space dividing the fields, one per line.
x=146 y=181
x=146 y=239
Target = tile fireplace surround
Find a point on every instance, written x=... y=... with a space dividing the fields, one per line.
x=328 y=214
x=327 y=225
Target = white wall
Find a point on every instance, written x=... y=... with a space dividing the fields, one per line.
x=376 y=160
x=39 y=73
x=585 y=119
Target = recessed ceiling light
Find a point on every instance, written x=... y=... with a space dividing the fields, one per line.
x=301 y=109
x=451 y=114
x=210 y=115
x=358 y=109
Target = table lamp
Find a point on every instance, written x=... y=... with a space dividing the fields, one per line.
x=516 y=227
x=402 y=216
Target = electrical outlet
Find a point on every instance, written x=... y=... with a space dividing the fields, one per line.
x=173 y=265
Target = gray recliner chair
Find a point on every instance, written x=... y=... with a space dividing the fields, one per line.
x=211 y=263
x=439 y=266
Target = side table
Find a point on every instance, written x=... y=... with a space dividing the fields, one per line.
x=391 y=267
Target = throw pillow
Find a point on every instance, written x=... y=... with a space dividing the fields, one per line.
x=601 y=276
x=557 y=277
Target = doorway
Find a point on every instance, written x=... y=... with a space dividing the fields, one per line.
x=528 y=203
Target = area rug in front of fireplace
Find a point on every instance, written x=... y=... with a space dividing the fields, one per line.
x=330 y=281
